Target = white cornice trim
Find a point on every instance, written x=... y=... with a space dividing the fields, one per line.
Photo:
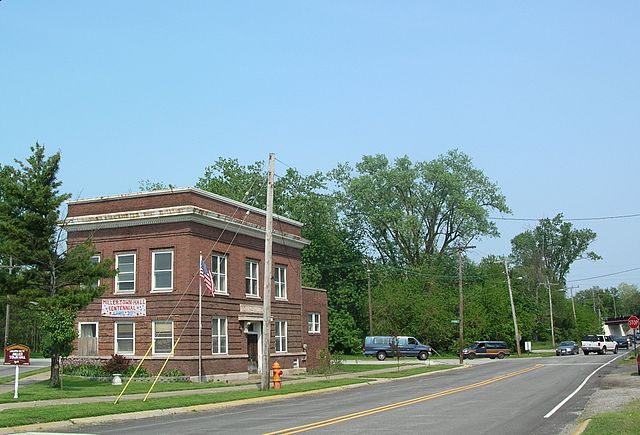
x=177 y=214
x=195 y=190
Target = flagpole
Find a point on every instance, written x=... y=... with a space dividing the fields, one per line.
x=200 y=322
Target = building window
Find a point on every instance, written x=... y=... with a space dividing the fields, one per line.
x=162 y=279
x=95 y=259
x=219 y=335
x=251 y=278
x=126 y=277
x=162 y=337
x=125 y=338
x=313 y=323
x=280 y=281
x=88 y=340
x=281 y=336
x=219 y=272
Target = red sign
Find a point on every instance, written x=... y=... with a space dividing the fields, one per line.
x=633 y=322
x=17 y=354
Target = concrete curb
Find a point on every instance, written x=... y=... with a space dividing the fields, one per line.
x=112 y=418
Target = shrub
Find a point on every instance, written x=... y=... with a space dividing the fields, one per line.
x=117 y=364
x=174 y=374
x=87 y=370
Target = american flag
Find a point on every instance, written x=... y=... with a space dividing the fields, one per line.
x=205 y=275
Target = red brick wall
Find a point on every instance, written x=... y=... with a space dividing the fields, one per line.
x=315 y=300
x=187 y=240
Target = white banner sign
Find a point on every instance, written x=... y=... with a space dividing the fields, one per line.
x=124 y=307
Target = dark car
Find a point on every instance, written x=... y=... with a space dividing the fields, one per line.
x=623 y=341
x=383 y=346
x=568 y=348
x=486 y=349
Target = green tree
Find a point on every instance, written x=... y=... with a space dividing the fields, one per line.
x=407 y=211
x=50 y=275
x=332 y=261
x=628 y=299
x=551 y=248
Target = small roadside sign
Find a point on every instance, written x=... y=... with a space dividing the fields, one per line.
x=634 y=322
x=17 y=354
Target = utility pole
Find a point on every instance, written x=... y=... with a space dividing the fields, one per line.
x=553 y=334
x=460 y=250
x=513 y=308
x=369 y=295
x=573 y=304
x=266 y=315
x=7 y=315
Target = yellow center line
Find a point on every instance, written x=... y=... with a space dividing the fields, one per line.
x=391 y=406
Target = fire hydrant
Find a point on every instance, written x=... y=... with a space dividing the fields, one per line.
x=275 y=368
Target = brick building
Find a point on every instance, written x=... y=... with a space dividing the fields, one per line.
x=155 y=240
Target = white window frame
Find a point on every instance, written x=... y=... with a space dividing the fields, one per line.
x=116 y=348
x=280 y=281
x=154 y=287
x=313 y=323
x=281 y=336
x=117 y=280
x=220 y=277
x=98 y=259
x=252 y=281
x=154 y=338
x=222 y=326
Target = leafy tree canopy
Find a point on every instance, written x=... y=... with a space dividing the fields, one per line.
x=551 y=248
x=408 y=211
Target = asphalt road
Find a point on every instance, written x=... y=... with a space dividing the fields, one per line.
x=499 y=397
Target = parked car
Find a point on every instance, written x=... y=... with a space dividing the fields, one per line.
x=383 y=346
x=568 y=348
x=486 y=349
x=623 y=341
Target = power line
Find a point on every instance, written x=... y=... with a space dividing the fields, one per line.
x=604 y=276
x=599 y=218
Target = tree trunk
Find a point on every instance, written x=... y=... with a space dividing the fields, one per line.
x=55 y=371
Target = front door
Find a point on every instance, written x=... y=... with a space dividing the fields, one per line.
x=252 y=351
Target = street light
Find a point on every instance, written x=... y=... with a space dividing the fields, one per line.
x=513 y=308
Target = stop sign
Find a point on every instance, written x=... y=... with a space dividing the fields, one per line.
x=633 y=322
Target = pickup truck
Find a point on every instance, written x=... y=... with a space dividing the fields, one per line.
x=598 y=343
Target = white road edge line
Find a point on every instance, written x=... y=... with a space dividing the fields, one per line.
x=559 y=405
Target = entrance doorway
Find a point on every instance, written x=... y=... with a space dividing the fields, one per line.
x=252 y=351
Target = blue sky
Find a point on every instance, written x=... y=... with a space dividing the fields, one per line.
x=544 y=96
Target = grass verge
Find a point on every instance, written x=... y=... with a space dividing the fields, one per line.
x=394 y=373
x=34 y=415
x=74 y=387
x=622 y=422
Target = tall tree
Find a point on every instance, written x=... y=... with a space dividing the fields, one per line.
x=333 y=261
x=552 y=247
x=54 y=278
x=406 y=212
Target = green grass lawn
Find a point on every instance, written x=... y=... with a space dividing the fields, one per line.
x=79 y=387
x=22 y=416
x=623 y=422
